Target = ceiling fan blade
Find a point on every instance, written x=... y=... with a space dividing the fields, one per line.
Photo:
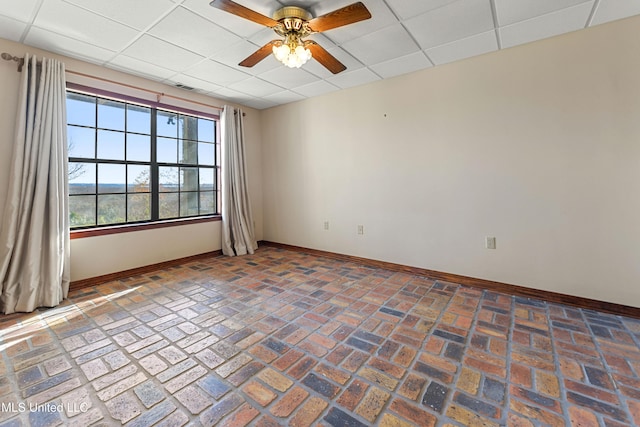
x=243 y=12
x=321 y=55
x=259 y=54
x=347 y=15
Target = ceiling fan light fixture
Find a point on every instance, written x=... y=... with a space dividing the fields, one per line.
x=292 y=53
x=293 y=24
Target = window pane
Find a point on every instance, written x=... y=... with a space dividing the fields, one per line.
x=206 y=179
x=81 y=142
x=82 y=178
x=188 y=152
x=138 y=207
x=187 y=127
x=81 y=109
x=167 y=150
x=188 y=179
x=111 y=178
x=138 y=147
x=110 y=145
x=138 y=179
x=206 y=202
x=206 y=153
x=188 y=204
x=111 y=208
x=167 y=124
x=206 y=130
x=82 y=211
x=138 y=119
x=168 y=178
x=110 y=114
x=169 y=205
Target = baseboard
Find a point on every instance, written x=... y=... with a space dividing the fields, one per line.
x=522 y=291
x=93 y=281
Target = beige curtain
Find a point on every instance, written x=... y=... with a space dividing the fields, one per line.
x=238 y=235
x=34 y=240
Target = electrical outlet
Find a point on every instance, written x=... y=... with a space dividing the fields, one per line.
x=490 y=242
x=326 y=225
x=361 y=229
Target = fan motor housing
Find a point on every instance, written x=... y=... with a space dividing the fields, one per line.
x=292 y=20
x=291 y=12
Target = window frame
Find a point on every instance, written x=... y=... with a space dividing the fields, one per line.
x=105 y=229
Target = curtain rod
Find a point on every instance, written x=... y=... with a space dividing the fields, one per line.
x=8 y=57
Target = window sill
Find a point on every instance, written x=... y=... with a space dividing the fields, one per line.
x=126 y=228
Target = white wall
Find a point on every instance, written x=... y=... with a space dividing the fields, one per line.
x=537 y=145
x=95 y=256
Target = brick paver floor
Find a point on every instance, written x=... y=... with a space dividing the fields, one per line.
x=285 y=338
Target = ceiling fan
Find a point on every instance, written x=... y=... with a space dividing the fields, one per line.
x=294 y=24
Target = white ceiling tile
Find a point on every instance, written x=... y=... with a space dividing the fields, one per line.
x=255 y=87
x=316 y=88
x=260 y=104
x=318 y=70
x=406 y=9
x=322 y=7
x=353 y=78
x=162 y=54
x=138 y=14
x=402 y=65
x=264 y=36
x=465 y=48
x=11 y=29
x=53 y=42
x=549 y=25
x=192 y=32
x=381 y=17
x=512 y=11
x=229 y=93
x=154 y=77
x=217 y=73
x=198 y=84
x=21 y=10
x=288 y=78
x=322 y=40
x=382 y=45
x=134 y=66
x=451 y=22
x=239 y=26
x=232 y=95
x=610 y=10
x=72 y=21
x=265 y=7
x=284 y=97
x=233 y=54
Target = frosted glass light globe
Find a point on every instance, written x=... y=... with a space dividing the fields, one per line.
x=292 y=58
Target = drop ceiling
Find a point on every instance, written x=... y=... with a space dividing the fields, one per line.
x=190 y=43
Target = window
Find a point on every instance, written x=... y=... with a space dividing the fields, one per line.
x=134 y=163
